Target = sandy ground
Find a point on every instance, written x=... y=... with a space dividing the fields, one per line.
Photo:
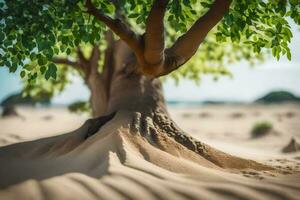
x=228 y=127
x=225 y=127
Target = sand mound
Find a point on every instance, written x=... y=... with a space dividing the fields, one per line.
x=292 y=146
x=123 y=165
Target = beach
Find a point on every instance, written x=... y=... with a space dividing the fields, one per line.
x=113 y=166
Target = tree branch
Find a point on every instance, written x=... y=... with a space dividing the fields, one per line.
x=154 y=36
x=82 y=59
x=119 y=28
x=186 y=45
x=83 y=62
x=94 y=58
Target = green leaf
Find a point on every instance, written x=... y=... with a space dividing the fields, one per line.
x=2 y=36
x=13 y=68
x=43 y=45
x=51 y=71
x=139 y=20
x=68 y=51
x=186 y=2
x=56 y=50
x=22 y=74
x=68 y=24
x=7 y=63
x=42 y=60
x=64 y=40
x=77 y=42
x=42 y=69
x=134 y=15
x=288 y=54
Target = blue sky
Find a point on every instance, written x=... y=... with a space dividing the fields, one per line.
x=247 y=84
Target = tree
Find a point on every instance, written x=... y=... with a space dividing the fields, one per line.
x=126 y=89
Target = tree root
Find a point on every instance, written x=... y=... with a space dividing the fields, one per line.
x=158 y=124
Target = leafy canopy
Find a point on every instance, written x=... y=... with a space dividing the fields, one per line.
x=32 y=32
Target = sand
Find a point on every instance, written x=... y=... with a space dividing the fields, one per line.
x=116 y=166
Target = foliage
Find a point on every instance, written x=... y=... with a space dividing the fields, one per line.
x=32 y=32
x=278 y=97
x=261 y=128
x=39 y=86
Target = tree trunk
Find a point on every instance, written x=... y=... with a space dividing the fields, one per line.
x=98 y=99
x=140 y=102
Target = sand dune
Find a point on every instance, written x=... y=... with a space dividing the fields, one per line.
x=117 y=165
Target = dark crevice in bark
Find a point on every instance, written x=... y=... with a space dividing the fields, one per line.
x=95 y=124
x=143 y=124
x=108 y=66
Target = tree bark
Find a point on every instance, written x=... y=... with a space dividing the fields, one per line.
x=98 y=99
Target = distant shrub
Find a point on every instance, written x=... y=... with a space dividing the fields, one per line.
x=205 y=115
x=237 y=115
x=278 y=97
x=187 y=115
x=261 y=128
x=80 y=107
x=20 y=99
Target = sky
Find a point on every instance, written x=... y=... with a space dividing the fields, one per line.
x=247 y=84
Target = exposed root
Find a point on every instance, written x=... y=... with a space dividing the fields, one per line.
x=157 y=127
